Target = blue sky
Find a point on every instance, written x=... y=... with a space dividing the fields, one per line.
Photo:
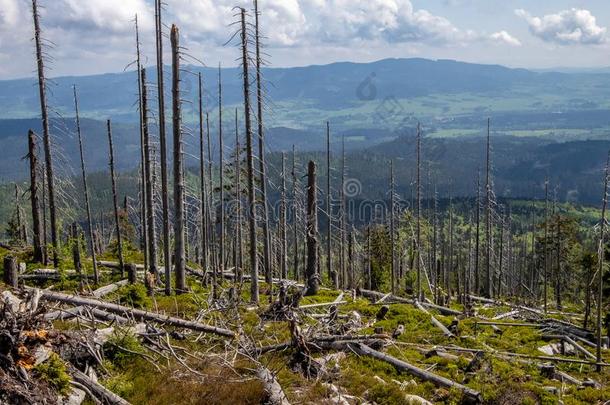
x=96 y=36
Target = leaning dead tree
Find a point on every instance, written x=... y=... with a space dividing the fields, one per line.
x=35 y=198
x=96 y=276
x=261 y=151
x=250 y=161
x=115 y=199
x=163 y=146
x=313 y=279
x=180 y=261
x=42 y=90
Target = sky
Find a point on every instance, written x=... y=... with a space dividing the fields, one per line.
x=98 y=36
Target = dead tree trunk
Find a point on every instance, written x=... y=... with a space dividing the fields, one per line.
x=488 y=274
x=221 y=219
x=202 y=177
x=179 y=266
x=546 y=242
x=332 y=275
x=35 y=198
x=417 y=253
x=96 y=278
x=477 y=286
x=11 y=275
x=163 y=146
x=250 y=162
x=283 y=225
x=342 y=219
x=313 y=279
x=261 y=152
x=239 y=261
x=42 y=88
x=392 y=231
x=143 y=167
x=115 y=198
x=295 y=239
x=600 y=254
x=149 y=192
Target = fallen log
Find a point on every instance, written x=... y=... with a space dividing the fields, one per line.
x=379 y=298
x=137 y=314
x=471 y=395
x=571 y=341
x=323 y=304
x=100 y=392
x=275 y=393
x=110 y=288
x=435 y=321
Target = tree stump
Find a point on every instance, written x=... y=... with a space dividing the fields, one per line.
x=132 y=275
x=11 y=274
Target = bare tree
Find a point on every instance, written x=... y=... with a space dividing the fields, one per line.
x=143 y=166
x=202 y=177
x=96 y=277
x=115 y=199
x=239 y=262
x=250 y=162
x=392 y=229
x=42 y=88
x=417 y=253
x=221 y=218
x=332 y=275
x=35 y=198
x=601 y=251
x=283 y=224
x=180 y=261
x=488 y=274
x=163 y=145
x=261 y=150
x=148 y=184
x=313 y=280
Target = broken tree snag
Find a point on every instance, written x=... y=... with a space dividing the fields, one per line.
x=35 y=197
x=11 y=274
x=471 y=395
x=132 y=273
x=134 y=313
x=313 y=281
x=273 y=388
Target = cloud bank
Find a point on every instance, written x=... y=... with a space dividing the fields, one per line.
x=568 y=27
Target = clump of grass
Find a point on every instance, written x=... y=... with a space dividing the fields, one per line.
x=122 y=347
x=133 y=296
x=55 y=373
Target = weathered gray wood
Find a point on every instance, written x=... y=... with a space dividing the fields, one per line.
x=313 y=279
x=135 y=313
x=363 y=350
x=101 y=393
x=276 y=395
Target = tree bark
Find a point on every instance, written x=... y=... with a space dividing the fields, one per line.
x=313 y=279
x=11 y=274
x=35 y=198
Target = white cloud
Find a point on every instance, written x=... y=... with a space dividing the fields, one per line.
x=9 y=13
x=503 y=37
x=574 y=26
